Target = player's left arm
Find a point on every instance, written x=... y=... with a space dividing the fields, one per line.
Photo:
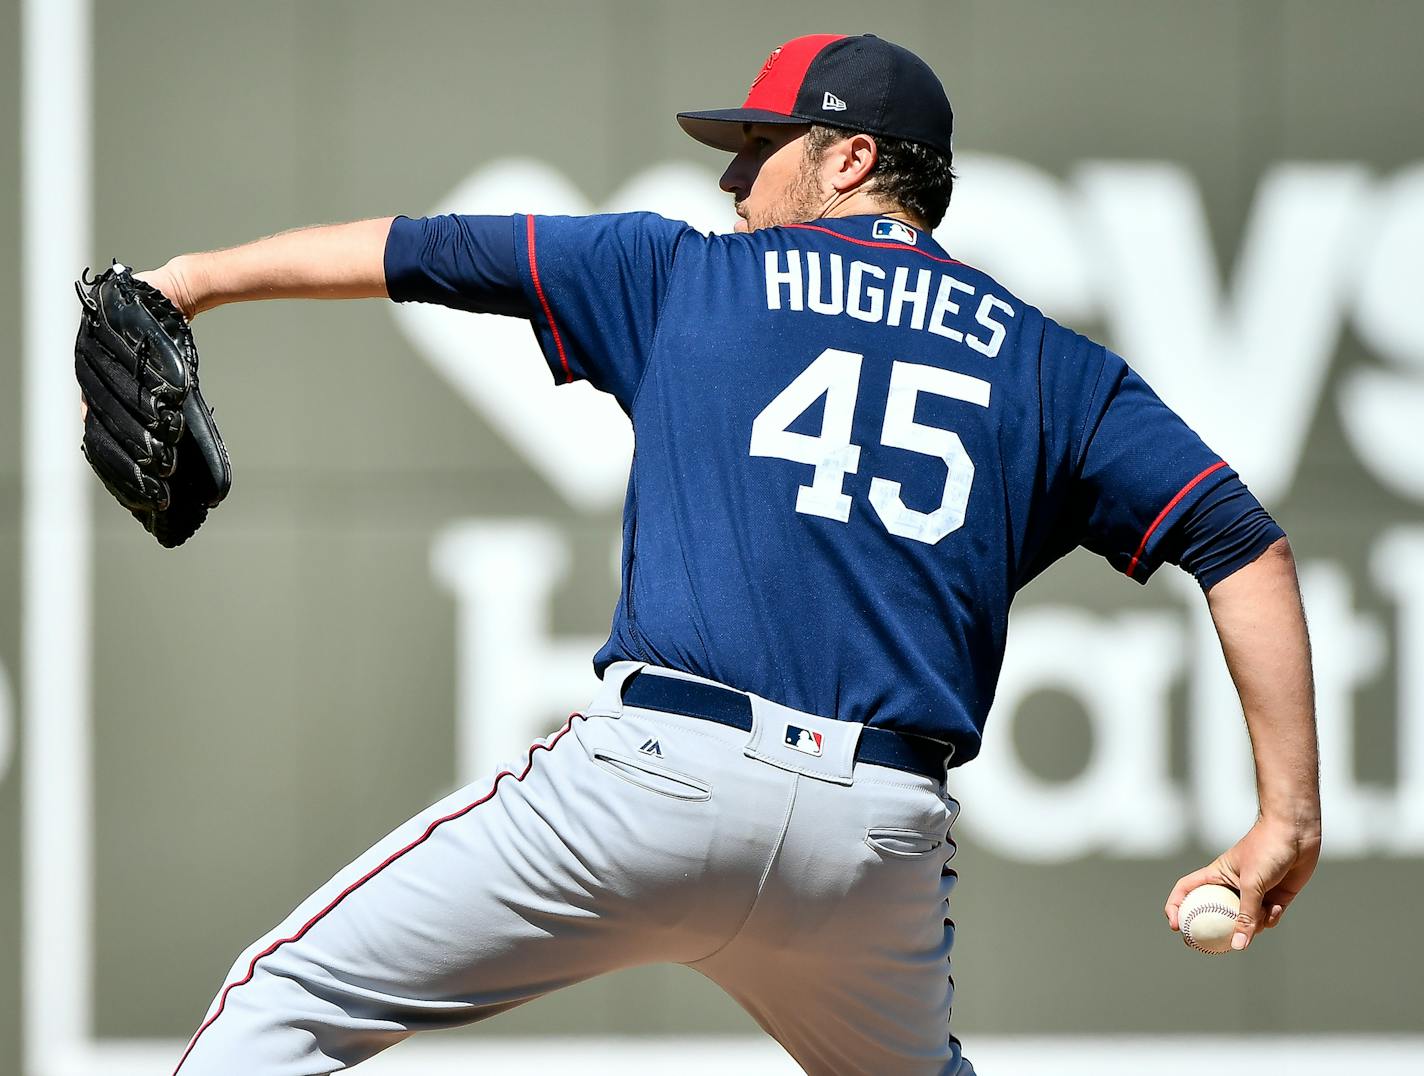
x=1261 y=623
x=592 y=287
x=330 y=261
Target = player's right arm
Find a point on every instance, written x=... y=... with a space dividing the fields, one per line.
x=1261 y=623
x=333 y=261
x=1146 y=491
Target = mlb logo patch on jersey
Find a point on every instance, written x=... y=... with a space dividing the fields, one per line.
x=806 y=741
x=898 y=230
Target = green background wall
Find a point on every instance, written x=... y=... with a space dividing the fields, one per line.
x=310 y=652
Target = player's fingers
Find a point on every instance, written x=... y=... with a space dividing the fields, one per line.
x=1185 y=885
x=1276 y=901
x=1248 y=919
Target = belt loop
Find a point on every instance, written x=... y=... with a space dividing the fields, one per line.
x=608 y=700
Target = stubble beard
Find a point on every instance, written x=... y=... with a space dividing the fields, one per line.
x=802 y=201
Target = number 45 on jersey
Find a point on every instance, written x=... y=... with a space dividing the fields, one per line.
x=836 y=376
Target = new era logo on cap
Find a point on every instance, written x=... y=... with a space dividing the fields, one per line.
x=806 y=741
x=832 y=103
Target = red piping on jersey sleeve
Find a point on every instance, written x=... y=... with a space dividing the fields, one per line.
x=314 y=920
x=1142 y=546
x=872 y=243
x=544 y=302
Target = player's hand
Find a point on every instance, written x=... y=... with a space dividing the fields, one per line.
x=1268 y=867
x=172 y=280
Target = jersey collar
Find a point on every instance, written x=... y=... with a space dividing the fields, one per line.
x=880 y=231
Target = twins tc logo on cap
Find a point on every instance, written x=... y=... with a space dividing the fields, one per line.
x=766 y=67
x=886 y=228
x=806 y=741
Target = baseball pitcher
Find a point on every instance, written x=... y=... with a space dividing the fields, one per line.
x=853 y=450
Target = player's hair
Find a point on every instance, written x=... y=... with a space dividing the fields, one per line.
x=916 y=178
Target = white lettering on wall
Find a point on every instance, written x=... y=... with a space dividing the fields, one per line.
x=1245 y=368
x=513 y=675
x=1397 y=564
x=1383 y=410
x=1120 y=669
x=1023 y=226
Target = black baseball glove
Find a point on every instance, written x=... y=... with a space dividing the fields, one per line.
x=148 y=434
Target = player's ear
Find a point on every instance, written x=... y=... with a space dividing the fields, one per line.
x=852 y=160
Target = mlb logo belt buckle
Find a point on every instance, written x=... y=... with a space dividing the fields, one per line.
x=803 y=743
x=807 y=741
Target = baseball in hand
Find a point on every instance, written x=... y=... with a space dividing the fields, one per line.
x=1207 y=918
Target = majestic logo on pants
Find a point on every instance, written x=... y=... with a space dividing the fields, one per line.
x=803 y=740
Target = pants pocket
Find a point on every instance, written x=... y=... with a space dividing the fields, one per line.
x=903 y=843
x=659 y=779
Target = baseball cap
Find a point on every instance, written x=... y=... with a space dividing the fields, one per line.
x=860 y=83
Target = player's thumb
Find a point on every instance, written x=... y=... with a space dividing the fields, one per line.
x=1249 y=918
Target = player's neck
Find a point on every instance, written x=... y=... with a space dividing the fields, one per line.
x=864 y=203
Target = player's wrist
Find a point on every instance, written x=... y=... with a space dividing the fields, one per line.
x=1301 y=818
x=1289 y=794
x=174 y=278
x=187 y=275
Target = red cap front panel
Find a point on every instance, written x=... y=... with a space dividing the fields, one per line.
x=776 y=87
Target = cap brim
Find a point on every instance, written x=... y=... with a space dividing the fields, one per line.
x=721 y=128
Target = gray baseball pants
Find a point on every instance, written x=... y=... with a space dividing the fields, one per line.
x=813 y=890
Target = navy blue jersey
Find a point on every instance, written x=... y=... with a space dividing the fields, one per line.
x=852 y=450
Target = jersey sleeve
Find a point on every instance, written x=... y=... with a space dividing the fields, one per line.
x=1221 y=534
x=1138 y=470
x=464 y=262
x=596 y=287
x=591 y=287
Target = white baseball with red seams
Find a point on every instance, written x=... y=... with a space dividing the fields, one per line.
x=1208 y=918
